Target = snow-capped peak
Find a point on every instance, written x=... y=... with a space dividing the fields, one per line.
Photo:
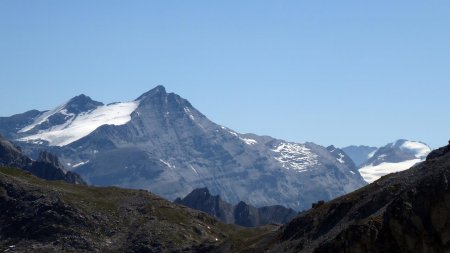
x=79 y=126
x=419 y=149
x=394 y=157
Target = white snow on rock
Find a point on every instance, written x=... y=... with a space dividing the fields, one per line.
x=341 y=158
x=81 y=125
x=372 y=173
x=420 y=150
x=167 y=164
x=44 y=117
x=248 y=141
x=188 y=112
x=295 y=156
x=79 y=164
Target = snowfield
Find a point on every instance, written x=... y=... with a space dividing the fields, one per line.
x=295 y=156
x=80 y=126
x=372 y=173
x=419 y=150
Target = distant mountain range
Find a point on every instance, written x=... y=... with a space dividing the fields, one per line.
x=161 y=143
x=241 y=214
x=393 y=157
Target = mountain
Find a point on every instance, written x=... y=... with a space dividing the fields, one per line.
x=343 y=158
x=402 y=212
x=47 y=166
x=53 y=216
x=359 y=154
x=241 y=214
x=397 y=156
x=161 y=143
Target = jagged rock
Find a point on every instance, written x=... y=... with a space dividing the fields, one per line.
x=47 y=166
x=240 y=214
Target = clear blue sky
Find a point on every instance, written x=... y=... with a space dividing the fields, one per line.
x=332 y=72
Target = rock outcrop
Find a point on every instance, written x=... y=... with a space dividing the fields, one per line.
x=241 y=214
x=47 y=166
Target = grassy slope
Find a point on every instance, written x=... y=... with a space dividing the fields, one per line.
x=84 y=218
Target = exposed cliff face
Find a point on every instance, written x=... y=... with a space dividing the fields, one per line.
x=240 y=214
x=402 y=212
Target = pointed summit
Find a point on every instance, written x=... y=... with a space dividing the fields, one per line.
x=81 y=103
x=157 y=91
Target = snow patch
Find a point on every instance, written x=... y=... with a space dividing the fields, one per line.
x=42 y=118
x=167 y=164
x=188 y=112
x=79 y=164
x=82 y=125
x=248 y=141
x=341 y=158
x=295 y=156
x=233 y=133
x=192 y=167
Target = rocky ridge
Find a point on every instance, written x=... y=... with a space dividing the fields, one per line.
x=47 y=166
x=241 y=214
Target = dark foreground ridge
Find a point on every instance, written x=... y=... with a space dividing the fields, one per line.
x=241 y=214
x=402 y=212
x=53 y=216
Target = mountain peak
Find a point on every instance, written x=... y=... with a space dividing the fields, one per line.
x=157 y=91
x=81 y=103
x=203 y=191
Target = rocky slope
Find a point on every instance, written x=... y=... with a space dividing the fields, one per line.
x=406 y=211
x=359 y=154
x=161 y=143
x=47 y=166
x=241 y=214
x=53 y=216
